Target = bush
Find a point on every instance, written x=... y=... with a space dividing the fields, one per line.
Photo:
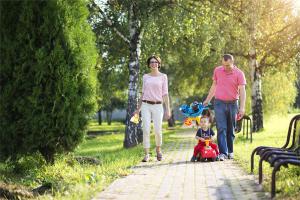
x=279 y=91
x=47 y=81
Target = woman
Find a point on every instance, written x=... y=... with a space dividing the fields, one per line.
x=154 y=93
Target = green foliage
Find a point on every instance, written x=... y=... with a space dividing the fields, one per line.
x=112 y=85
x=47 y=76
x=113 y=75
x=279 y=92
x=191 y=36
x=190 y=42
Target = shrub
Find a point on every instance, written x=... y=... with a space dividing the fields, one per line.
x=47 y=81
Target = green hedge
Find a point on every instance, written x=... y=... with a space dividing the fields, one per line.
x=47 y=81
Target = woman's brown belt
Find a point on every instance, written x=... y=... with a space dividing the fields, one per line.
x=152 y=102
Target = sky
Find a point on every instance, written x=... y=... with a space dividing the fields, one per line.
x=296 y=4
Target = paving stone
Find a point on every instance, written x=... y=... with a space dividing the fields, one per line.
x=177 y=178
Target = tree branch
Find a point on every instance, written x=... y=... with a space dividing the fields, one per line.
x=109 y=22
x=279 y=31
x=240 y=54
x=268 y=12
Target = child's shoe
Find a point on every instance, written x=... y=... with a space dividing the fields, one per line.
x=230 y=156
x=193 y=159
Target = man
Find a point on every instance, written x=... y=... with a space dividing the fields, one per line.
x=228 y=86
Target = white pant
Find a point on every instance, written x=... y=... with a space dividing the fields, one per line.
x=155 y=111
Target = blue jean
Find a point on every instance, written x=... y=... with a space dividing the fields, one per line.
x=225 y=114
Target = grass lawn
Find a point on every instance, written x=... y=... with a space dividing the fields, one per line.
x=274 y=134
x=71 y=180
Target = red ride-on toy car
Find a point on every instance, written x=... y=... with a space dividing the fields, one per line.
x=207 y=153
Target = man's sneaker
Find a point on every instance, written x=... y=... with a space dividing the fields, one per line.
x=222 y=157
x=146 y=158
x=230 y=155
x=193 y=159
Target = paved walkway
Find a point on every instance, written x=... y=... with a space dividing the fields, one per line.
x=177 y=178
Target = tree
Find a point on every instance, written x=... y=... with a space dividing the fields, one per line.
x=283 y=82
x=114 y=103
x=113 y=83
x=112 y=77
x=47 y=77
x=276 y=45
x=256 y=92
x=118 y=14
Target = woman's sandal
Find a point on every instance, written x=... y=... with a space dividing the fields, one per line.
x=159 y=156
x=146 y=158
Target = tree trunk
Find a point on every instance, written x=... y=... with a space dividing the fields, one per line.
x=297 y=102
x=171 y=121
x=256 y=93
x=99 y=117
x=48 y=154
x=133 y=132
x=108 y=116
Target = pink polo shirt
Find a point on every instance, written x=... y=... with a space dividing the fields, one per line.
x=154 y=87
x=227 y=83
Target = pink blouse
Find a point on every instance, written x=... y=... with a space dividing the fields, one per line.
x=154 y=87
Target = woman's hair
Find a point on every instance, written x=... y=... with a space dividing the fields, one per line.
x=156 y=58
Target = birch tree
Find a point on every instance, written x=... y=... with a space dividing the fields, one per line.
x=127 y=19
x=256 y=92
x=274 y=42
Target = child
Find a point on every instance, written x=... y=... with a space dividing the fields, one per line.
x=203 y=132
